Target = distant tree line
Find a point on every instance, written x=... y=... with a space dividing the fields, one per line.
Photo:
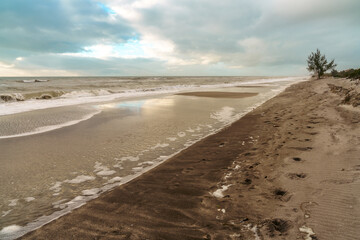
x=350 y=73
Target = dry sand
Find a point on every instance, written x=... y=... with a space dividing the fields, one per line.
x=290 y=169
x=219 y=94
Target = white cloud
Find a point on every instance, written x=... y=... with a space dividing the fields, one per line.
x=254 y=50
x=167 y=37
x=5 y=65
x=129 y=9
x=11 y=70
x=309 y=8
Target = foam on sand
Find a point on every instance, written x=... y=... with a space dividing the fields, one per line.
x=308 y=231
x=219 y=193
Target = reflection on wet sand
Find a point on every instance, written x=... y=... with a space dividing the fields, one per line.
x=220 y=94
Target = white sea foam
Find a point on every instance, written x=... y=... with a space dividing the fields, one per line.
x=80 y=179
x=59 y=204
x=106 y=172
x=52 y=127
x=130 y=158
x=115 y=179
x=9 y=229
x=160 y=145
x=225 y=115
x=102 y=170
x=181 y=134
x=92 y=96
x=137 y=168
x=162 y=158
x=190 y=130
x=118 y=165
x=29 y=199
x=86 y=93
x=146 y=163
x=4 y=213
x=13 y=202
x=90 y=192
x=56 y=187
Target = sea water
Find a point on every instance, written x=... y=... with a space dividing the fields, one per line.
x=90 y=135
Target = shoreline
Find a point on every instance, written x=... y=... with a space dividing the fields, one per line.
x=44 y=220
x=14 y=107
x=41 y=221
x=220 y=187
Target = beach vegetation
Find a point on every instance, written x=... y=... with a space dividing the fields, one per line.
x=349 y=73
x=318 y=64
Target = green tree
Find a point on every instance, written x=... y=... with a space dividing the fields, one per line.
x=318 y=64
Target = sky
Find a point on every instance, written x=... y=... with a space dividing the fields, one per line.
x=175 y=37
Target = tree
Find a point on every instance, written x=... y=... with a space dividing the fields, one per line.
x=318 y=64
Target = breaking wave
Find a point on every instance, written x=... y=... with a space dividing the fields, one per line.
x=11 y=103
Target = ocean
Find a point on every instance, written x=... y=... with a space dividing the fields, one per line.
x=65 y=140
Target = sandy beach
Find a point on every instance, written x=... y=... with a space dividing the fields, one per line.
x=289 y=169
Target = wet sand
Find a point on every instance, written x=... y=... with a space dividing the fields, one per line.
x=219 y=94
x=290 y=169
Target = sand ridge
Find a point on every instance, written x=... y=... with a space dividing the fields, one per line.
x=287 y=170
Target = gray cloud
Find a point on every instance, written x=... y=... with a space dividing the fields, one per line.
x=288 y=30
x=57 y=26
x=229 y=37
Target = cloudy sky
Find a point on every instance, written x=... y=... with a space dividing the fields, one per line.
x=174 y=37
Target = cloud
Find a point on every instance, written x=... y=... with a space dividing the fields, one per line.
x=58 y=26
x=176 y=37
x=239 y=33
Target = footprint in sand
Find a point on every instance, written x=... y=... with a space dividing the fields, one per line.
x=296 y=159
x=296 y=176
x=187 y=170
x=281 y=194
x=302 y=148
